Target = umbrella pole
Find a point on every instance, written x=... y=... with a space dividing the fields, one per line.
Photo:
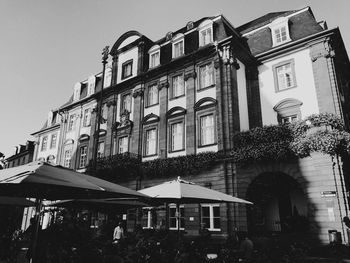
x=178 y=222
x=36 y=231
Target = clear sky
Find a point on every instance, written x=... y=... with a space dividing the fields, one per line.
x=47 y=46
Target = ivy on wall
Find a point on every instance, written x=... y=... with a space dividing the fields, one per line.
x=318 y=133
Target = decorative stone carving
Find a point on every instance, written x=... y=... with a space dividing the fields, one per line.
x=163 y=85
x=227 y=57
x=138 y=92
x=191 y=74
x=111 y=103
x=168 y=36
x=125 y=125
x=189 y=25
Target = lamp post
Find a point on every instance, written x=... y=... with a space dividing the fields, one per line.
x=105 y=53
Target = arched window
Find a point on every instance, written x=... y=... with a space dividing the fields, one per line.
x=288 y=110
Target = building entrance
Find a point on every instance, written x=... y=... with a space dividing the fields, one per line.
x=279 y=204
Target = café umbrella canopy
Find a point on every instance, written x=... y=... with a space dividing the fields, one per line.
x=183 y=192
x=45 y=181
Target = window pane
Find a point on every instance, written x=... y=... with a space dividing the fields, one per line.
x=205 y=212
x=152 y=95
x=177 y=136
x=178 y=86
x=207 y=129
x=123 y=145
x=126 y=102
x=206 y=76
x=151 y=142
x=216 y=223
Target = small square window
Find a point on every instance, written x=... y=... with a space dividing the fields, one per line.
x=154 y=59
x=127 y=69
x=152 y=95
x=289 y=119
x=178 y=86
x=178 y=48
x=206 y=76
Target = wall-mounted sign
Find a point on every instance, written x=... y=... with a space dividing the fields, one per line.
x=328 y=193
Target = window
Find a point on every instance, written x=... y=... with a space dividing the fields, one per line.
x=83 y=157
x=123 y=144
x=152 y=95
x=147 y=218
x=100 y=149
x=178 y=48
x=177 y=136
x=127 y=69
x=53 y=140
x=280 y=31
x=91 y=85
x=206 y=76
x=288 y=110
x=87 y=118
x=67 y=158
x=151 y=142
x=126 y=102
x=154 y=59
x=207 y=130
x=77 y=88
x=71 y=122
x=205 y=36
x=174 y=216
x=210 y=216
x=280 y=34
x=178 y=88
x=44 y=143
x=284 y=75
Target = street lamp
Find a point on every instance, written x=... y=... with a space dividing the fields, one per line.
x=105 y=53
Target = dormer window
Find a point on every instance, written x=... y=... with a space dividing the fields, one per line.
x=127 y=69
x=280 y=31
x=178 y=46
x=205 y=30
x=76 y=95
x=91 y=85
x=154 y=56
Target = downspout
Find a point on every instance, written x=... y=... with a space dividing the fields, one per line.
x=223 y=134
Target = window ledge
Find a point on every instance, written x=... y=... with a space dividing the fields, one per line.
x=207 y=145
x=281 y=90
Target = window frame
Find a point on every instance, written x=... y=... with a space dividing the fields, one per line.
x=87 y=118
x=175 y=42
x=44 y=142
x=146 y=129
x=99 y=153
x=122 y=100
x=151 y=54
x=182 y=216
x=118 y=144
x=83 y=157
x=200 y=31
x=200 y=115
x=153 y=86
x=124 y=72
x=276 y=78
x=172 y=93
x=278 y=24
x=211 y=63
x=65 y=160
x=148 y=217
x=71 y=122
x=54 y=135
x=172 y=122
x=211 y=216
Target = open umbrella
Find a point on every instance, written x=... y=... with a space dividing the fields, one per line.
x=45 y=181
x=182 y=192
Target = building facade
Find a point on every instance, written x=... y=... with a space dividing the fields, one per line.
x=190 y=92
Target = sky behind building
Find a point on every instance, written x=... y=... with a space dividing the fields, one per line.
x=47 y=46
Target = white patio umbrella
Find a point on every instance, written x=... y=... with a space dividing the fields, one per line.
x=183 y=192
